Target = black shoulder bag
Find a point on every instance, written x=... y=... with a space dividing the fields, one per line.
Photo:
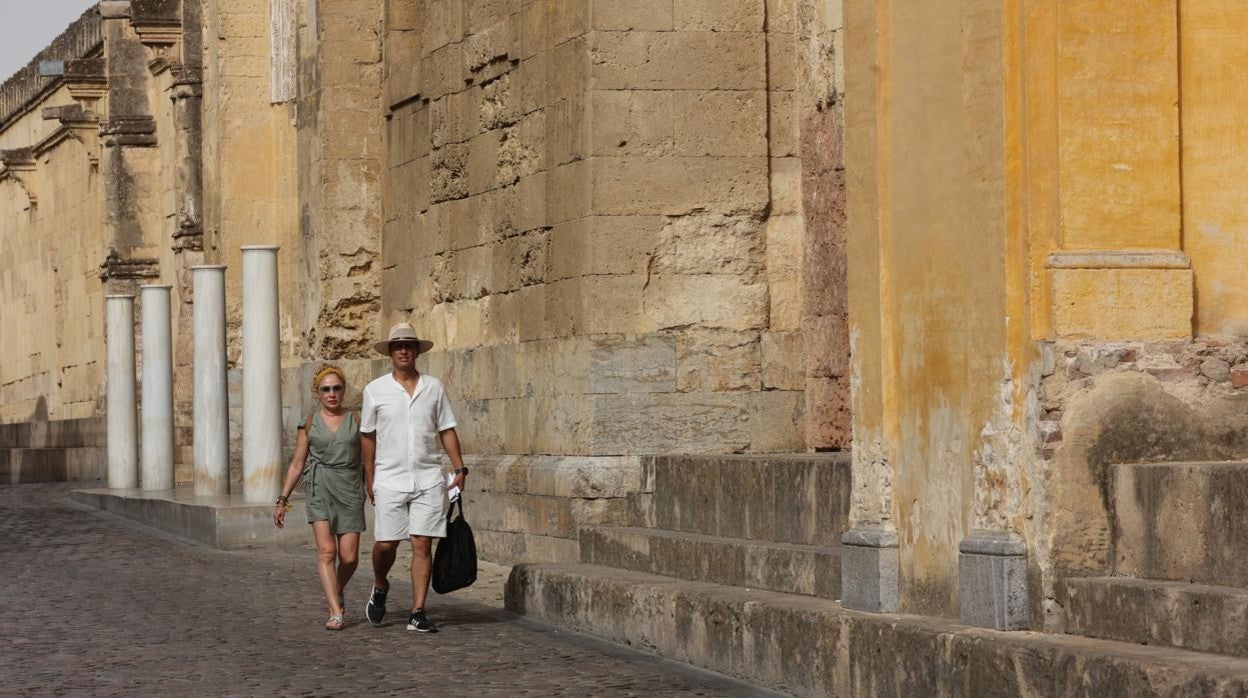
x=455 y=562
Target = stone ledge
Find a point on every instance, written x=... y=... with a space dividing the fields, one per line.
x=785 y=567
x=809 y=646
x=1176 y=614
x=221 y=522
x=26 y=465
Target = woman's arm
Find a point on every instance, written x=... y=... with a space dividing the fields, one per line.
x=292 y=474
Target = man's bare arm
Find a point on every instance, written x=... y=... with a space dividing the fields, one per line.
x=368 y=454
x=450 y=444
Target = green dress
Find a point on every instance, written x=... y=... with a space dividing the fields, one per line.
x=332 y=486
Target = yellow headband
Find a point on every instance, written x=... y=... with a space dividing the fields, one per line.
x=326 y=371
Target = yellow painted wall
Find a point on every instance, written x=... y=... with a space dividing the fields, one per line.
x=934 y=188
x=1118 y=124
x=1215 y=161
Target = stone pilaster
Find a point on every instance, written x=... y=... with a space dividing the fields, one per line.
x=128 y=129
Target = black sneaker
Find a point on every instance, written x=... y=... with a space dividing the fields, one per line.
x=376 y=608
x=420 y=623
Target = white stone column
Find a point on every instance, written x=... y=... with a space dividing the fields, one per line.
x=123 y=460
x=156 y=408
x=262 y=383
x=211 y=436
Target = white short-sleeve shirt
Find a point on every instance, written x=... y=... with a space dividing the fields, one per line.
x=408 y=453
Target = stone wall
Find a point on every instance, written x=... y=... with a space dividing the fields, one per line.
x=595 y=210
x=604 y=216
x=1124 y=402
x=51 y=209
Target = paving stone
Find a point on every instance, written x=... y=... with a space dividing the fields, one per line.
x=99 y=606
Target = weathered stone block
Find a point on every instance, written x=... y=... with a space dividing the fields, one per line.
x=783 y=361
x=624 y=364
x=776 y=421
x=623 y=15
x=683 y=60
x=708 y=243
x=720 y=122
x=717 y=360
x=614 y=304
x=869 y=569
x=654 y=423
x=676 y=186
x=568 y=190
x=992 y=580
x=633 y=122
x=719 y=15
x=709 y=300
x=567 y=130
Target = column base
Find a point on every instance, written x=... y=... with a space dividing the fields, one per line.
x=869 y=559
x=992 y=580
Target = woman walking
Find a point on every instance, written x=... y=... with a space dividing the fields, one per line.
x=327 y=455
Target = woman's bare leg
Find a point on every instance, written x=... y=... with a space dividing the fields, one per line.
x=326 y=556
x=348 y=558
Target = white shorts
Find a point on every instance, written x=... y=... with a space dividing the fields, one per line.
x=398 y=515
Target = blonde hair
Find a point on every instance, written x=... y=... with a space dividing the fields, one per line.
x=330 y=370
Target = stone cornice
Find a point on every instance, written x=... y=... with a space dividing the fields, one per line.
x=77 y=124
x=19 y=165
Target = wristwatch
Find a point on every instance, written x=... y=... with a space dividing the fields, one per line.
x=461 y=471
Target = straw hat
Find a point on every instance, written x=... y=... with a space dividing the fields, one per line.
x=403 y=332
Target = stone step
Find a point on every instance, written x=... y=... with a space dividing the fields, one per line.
x=26 y=465
x=784 y=567
x=542 y=515
x=1152 y=612
x=809 y=646
x=1182 y=522
x=785 y=499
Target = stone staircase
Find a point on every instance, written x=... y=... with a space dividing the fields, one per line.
x=733 y=564
x=53 y=451
x=731 y=556
x=1180 y=575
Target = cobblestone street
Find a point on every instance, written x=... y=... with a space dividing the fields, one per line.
x=94 y=605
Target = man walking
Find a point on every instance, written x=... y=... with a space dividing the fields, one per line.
x=404 y=417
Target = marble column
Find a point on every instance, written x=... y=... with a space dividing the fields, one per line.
x=156 y=408
x=211 y=436
x=262 y=385
x=123 y=465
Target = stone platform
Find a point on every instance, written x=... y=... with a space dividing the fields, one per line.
x=220 y=522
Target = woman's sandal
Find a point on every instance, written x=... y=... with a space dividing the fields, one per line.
x=334 y=623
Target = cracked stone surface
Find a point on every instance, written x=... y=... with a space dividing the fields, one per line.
x=95 y=605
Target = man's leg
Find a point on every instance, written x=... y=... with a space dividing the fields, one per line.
x=384 y=552
x=422 y=567
x=390 y=527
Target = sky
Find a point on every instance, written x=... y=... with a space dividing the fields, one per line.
x=27 y=26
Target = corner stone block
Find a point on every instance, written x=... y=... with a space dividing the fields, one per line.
x=869 y=569
x=992 y=579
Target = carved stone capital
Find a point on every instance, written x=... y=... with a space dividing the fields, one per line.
x=117 y=267
x=87 y=81
x=134 y=131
